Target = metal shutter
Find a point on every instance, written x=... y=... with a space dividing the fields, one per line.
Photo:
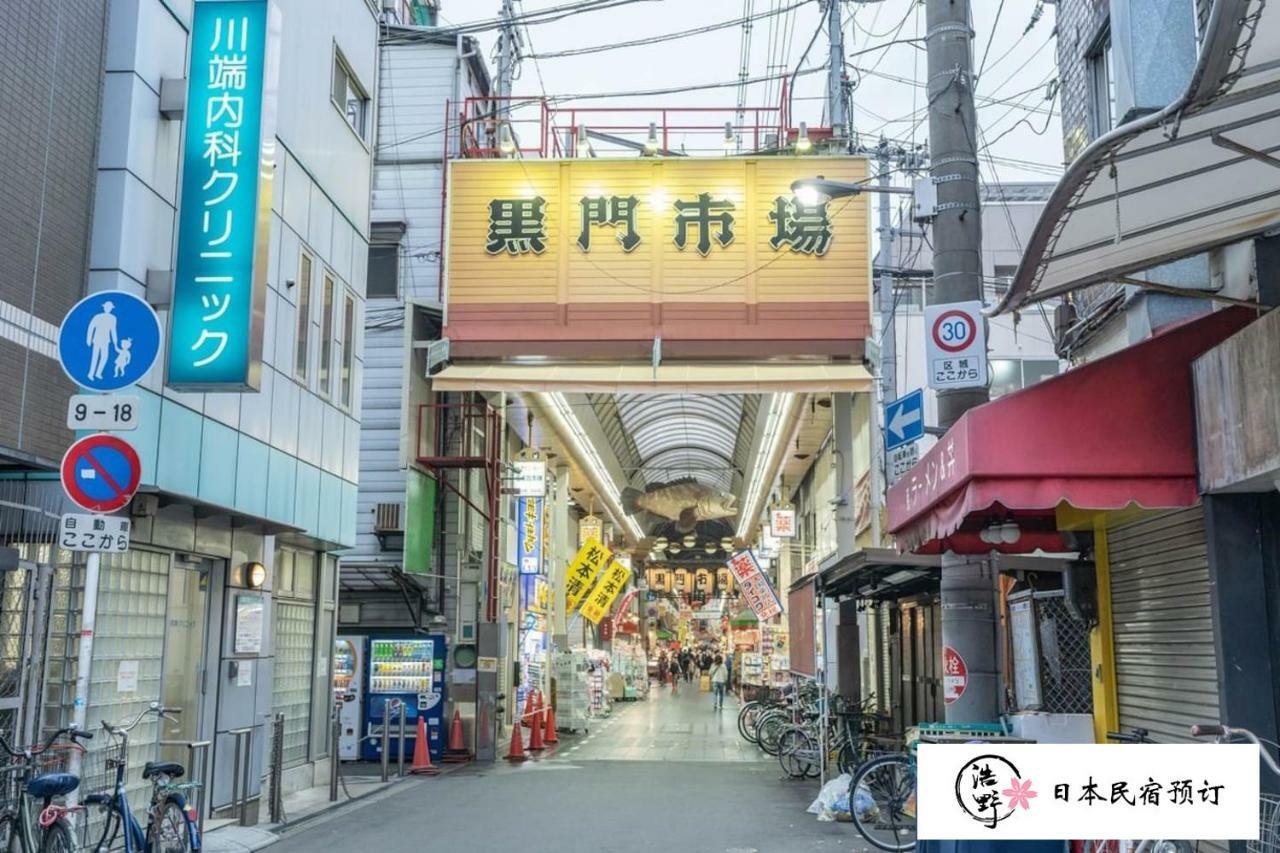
x=1166 y=668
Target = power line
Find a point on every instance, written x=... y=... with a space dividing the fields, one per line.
x=990 y=38
x=599 y=48
x=539 y=16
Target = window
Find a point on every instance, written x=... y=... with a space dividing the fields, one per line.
x=294 y=624
x=1003 y=278
x=348 y=347
x=384 y=270
x=326 y=335
x=1011 y=374
x=304 y=317
x=1102 y=86
x=349 y=96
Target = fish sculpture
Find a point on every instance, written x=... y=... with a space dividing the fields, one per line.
x=686 y=502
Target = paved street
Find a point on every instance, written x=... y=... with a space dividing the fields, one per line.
x=665 y=774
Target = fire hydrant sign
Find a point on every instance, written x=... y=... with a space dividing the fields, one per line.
x=956 y=345
x=955 y=675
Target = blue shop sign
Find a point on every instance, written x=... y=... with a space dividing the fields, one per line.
x=219 y=292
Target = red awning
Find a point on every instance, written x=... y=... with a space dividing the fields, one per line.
x=1116 y=432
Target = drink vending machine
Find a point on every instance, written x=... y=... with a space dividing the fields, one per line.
x=348 y=693
x=411 y=669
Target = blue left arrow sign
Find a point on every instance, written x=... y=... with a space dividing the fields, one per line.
x=904 y=420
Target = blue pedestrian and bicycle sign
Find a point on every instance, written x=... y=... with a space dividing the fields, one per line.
x=904 y=420
x=101 y=473
x=109 y=340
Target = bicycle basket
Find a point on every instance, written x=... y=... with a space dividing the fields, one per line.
x=55 y=759
x=1268 y=826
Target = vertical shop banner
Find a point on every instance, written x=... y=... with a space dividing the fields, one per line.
x=590 y=527
x=755 y=586
x=582 y=572
x=602 y=595
x=224 y=221
x=529 y=537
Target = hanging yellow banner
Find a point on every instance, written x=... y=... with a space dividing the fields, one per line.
x=602 y=595
x=586 y=565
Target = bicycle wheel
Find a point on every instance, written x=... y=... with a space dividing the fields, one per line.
x=769 y=729
x=882 y=801
x=58 y=838
x=795 y=746
x=168 y=831
x=845 y=760
x=10 y=834
x=747 y=721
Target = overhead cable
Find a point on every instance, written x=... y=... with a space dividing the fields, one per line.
x=680 y=34
x=538 y=16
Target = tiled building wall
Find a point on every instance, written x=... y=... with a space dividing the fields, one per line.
x=51 y=65
x=290 y=451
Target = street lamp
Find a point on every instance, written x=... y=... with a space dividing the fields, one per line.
x=817 y=190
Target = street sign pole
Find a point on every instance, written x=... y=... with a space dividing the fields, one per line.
x=84 y=663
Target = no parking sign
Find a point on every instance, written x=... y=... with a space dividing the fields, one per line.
x=956 y=345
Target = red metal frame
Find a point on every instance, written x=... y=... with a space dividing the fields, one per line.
x=439 y=424
x=554 y=132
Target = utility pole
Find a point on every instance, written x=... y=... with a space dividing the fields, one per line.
x=506 y=55
x=837 y=103
x=968 y=585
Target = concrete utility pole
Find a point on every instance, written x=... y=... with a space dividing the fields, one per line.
x=887 y=260
x=837 y=104
x=968 y=588
x=506 y=54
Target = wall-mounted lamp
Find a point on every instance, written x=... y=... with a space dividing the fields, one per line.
x=255 y=575
x=651 y=144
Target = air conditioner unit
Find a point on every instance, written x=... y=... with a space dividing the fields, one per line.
x=386 y=518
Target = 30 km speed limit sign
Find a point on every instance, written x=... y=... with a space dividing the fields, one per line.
x=956 y=345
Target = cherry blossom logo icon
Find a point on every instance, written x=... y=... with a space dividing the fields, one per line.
x=980 y=793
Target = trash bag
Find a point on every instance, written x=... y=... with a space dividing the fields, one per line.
x=833 y=799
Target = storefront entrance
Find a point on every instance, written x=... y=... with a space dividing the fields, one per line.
x=185 y=683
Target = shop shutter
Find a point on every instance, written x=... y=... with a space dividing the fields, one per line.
x=1166 y=667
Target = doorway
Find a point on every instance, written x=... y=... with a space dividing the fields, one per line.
x=189 y=646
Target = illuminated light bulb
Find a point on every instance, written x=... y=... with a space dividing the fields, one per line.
x=809 y=197
x=803 y=143
x=506 y=144
x=651 y=144
x=1010 y=533
x=690 y=540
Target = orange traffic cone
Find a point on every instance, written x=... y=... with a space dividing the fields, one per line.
x=422 y=752
x=516 y=752
x=528 y=709
x=535 y=732
x=456 y=752
x=550 y=718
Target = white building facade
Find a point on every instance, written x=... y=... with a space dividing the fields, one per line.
x=225 y=604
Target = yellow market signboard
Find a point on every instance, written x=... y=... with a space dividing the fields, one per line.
x=588 y=562
x=604 y=593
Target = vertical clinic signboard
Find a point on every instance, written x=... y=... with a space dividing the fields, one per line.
x=228 y=168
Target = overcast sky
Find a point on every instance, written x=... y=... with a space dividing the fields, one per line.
x=1019 y=68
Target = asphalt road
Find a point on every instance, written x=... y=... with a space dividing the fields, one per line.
x=607 y=796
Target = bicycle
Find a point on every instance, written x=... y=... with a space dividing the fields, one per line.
x=882 y=801
x=17 y=828
x=1269 y=810
x=1162 y=845
x=854 y=739
x=172 y=824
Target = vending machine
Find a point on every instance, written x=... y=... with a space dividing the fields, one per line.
x=411 y=669
x=348 y=693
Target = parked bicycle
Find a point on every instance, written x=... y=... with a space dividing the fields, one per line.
x=855 y=735
x=1269 y=805
x=172 y=824
x=49 y=831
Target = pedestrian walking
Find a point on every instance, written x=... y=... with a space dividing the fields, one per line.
x=719 y=679
x=662 y=668
x=675 y=675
